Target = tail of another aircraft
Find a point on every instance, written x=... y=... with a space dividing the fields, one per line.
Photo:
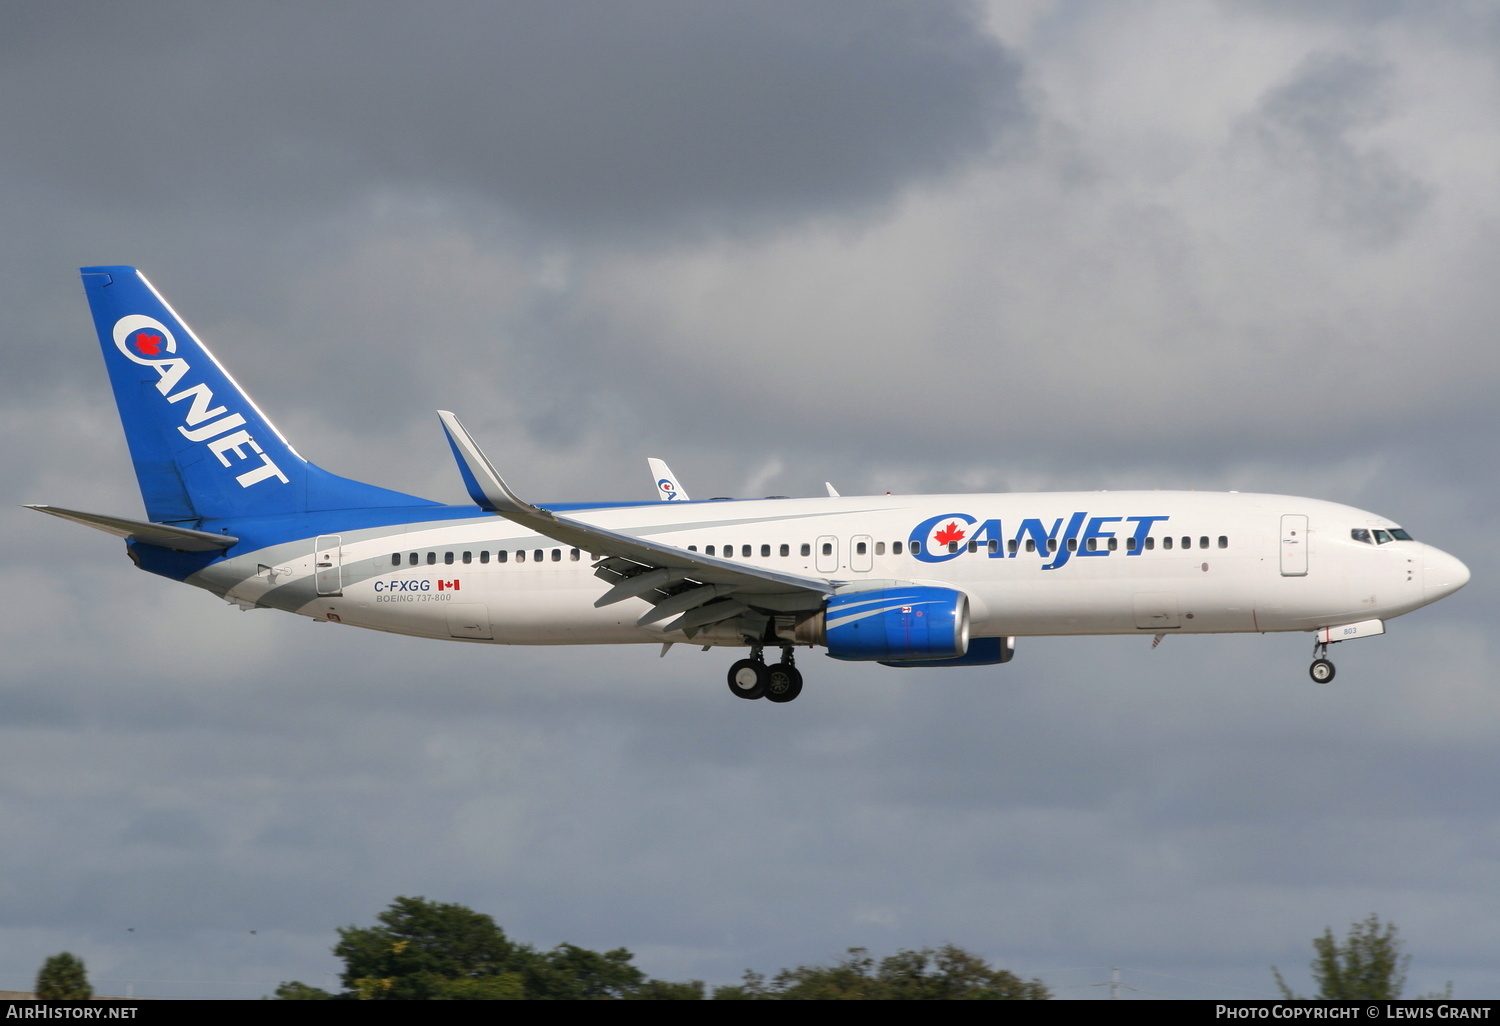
x=201 y=447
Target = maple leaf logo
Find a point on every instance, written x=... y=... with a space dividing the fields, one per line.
x=949 y=534
x=149 y=345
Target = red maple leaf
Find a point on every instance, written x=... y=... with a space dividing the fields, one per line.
x=149 y=345
x=951 y=533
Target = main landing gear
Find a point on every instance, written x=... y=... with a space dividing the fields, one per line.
x=1321 y=670
x=752 y=678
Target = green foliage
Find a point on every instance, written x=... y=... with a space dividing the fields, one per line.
x=1368 y=966
x=424 y=950
x=662 y=990
x=296 y=990
x=62 y=978
x=420 y=948
x=944 y=974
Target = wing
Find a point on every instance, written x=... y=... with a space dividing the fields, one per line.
x=700 y=589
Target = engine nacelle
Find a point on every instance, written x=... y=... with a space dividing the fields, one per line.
x=916 y=622
x=982 y=652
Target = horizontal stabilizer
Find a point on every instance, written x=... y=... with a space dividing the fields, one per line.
x=182 y=539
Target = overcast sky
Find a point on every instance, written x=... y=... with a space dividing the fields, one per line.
x=935 y=247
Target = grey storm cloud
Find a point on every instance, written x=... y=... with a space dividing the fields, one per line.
x=582 y=116
x=1306 y=124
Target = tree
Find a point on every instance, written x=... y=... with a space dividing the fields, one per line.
x=424 y=950
x=1368 y=966
x=62 y=978
x=296 y=990
x=948 y=973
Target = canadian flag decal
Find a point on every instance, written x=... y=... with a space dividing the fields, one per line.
x=448 y=585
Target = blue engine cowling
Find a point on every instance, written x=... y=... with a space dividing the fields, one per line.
x=897 y=624
x=982 y=652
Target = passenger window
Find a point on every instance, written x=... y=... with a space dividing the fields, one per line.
x=557 y=555
x=1150 y=543
x=484 y=557
x=431 y=558
x=1166 y=542
x=520 y=555
x=880 y=548
x=1030 y=544
x=860 y=548
x=994 y=546
x=828 y=548
x=896 y=548
x=1203 y=542
x=786 y=550
x=806 y=549
x=708 y=550
x=1072 y=544
x=973 y=545
x=692 y=548
x=573 y=555
x=953 y=546
x=1223 y=541
x=468 y=557
x=1011 y=546
x=1187 y=542
x=1093 y=544
x=501 y=556
x=916 y=548
x=1051 y=544
x=411 y=560
x=448 y=558
x=729 y=552
x=765 y=550
x=538 y=555
x=745 y=551
x=1114 y=543
x=1131 y=544
x=395 y=559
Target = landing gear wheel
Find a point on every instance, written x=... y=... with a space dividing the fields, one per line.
x=1321 y=671
x=748 y=678
x=784 y=682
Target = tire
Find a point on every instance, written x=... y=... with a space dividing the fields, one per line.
x=1321 y=671
x=784 y=682
x=748 y=679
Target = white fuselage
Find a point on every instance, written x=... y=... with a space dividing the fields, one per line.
x=1124 y=563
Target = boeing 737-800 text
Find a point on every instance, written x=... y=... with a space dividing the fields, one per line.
x=907 y=581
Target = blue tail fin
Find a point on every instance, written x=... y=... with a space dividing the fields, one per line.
x=202 y=449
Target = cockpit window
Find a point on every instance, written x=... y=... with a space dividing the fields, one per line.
x=1359 y=534
x=1381 y=537
x=1400 y=535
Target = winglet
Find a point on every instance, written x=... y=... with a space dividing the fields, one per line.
x=833 y=493
x=485 y=485
x=667 y=488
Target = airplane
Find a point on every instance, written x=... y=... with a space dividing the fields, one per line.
x=908 y=581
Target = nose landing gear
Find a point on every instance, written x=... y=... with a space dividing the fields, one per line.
x=752 y=678
x=1321 y=670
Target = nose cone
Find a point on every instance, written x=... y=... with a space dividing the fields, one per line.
x=1442 y=574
